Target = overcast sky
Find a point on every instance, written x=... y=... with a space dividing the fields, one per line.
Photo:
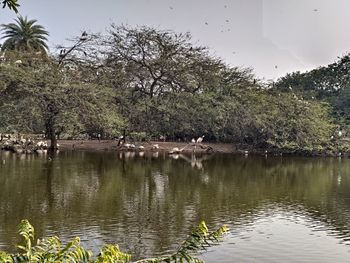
x=271 y=36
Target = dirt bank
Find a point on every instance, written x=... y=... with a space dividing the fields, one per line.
x=112 y=145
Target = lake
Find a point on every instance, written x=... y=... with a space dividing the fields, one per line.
x=278 y=209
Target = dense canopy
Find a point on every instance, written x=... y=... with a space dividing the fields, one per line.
x=150 y=84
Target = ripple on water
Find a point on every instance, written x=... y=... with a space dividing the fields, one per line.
x=285 y=235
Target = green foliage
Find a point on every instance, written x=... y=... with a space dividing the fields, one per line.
x=11 y=4
x=199 y=239
x=328 y=83
x=154 y=83
x=24 y=35
x=51 y=249
x=112 y=254
x=286 y=122
x=42 y=96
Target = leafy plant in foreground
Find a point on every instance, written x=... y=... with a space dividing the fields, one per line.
x=199 y=239
x=52 y=250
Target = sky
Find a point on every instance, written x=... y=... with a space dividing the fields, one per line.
x=272 y=37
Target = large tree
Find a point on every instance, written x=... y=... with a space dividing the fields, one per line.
x=157 y=62
x=155 y=71
x=46 y=97
x=24 y=35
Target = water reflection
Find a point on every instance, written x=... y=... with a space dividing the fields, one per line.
x=148 y=202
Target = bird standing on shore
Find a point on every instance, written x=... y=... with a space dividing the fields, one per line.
x=200 y=139
x=155 y=146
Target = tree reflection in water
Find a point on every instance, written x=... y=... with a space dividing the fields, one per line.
x=148 y=203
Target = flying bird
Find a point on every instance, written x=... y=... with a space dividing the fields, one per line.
x=171 y=7
x=206 y=23
x=315 y=10
x=227 y=20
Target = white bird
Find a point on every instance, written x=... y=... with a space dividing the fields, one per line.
x=193 y=140
x=155 y=146
x=340 y=133
x=200 y=139
x=141 y=147
x=40 y=144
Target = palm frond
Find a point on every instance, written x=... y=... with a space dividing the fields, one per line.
x=25 y=35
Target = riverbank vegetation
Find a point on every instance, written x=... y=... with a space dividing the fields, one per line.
x=52 y=250
x=150 y=84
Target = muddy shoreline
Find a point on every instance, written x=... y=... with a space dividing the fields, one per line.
x=167 y=148
x=112 y=145
x=227 y=148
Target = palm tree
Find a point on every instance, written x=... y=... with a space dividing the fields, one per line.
x=24 y=35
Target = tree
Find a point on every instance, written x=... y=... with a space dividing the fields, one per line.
x=327 y=83
x=154 y=83
x=11 y=4
x=51 y=97
x=24 y=35
x=158 y=62
x=158 y=74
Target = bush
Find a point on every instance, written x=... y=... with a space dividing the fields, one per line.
x=52 y=250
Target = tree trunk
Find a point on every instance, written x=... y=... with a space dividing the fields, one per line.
x=53 y=140
x=50 y=130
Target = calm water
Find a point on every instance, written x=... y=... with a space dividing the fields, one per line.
x=279 y=210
